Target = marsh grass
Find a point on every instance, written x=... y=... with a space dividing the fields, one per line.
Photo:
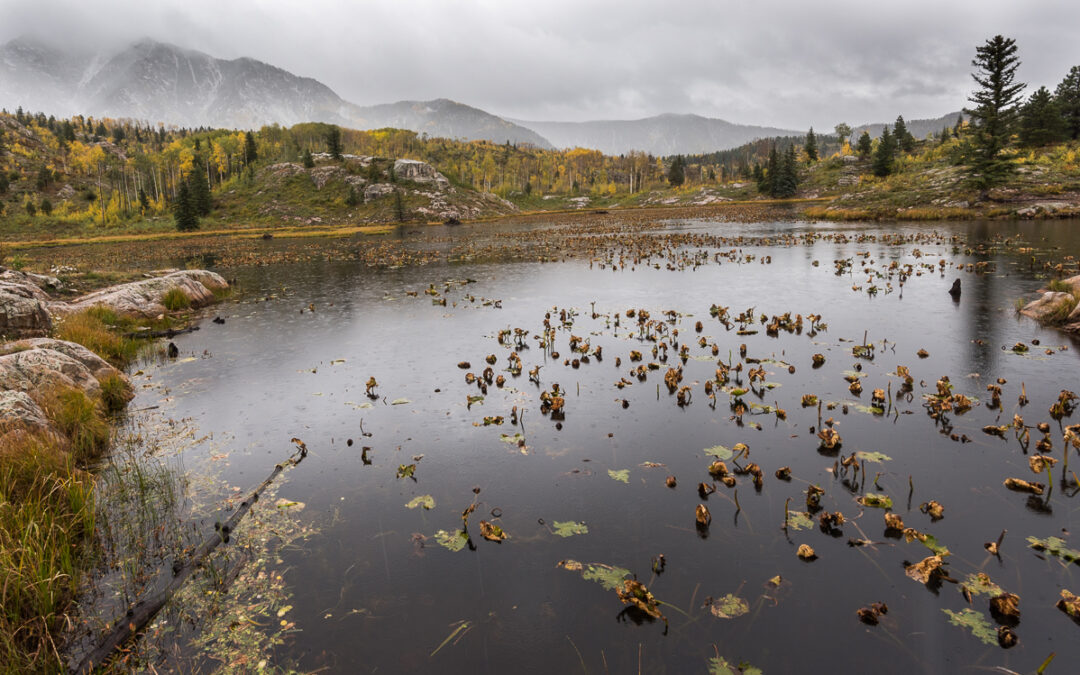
x=176 y=300
x=97 y=330
x=46 y=525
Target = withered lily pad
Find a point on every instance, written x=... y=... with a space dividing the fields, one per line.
x=634 y=593
x=721 y=666
x=406 y=471
x=926 y=568
x=622 y=475
x=491 y=531
x=974 y=622
x=400 y=401
x=728 y=607
x=426 y=501
x=569 y=528
x=1021 y=485
x=1070 y=604
x=454 y=541
x=806 y=552
x=876 y=457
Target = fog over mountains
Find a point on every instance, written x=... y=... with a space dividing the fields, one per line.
x=159 y=82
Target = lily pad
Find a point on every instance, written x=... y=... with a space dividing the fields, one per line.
x=512 y=440
x=930 y=542
x=622 y=475
x=406 y=471
x=608 y=576
x=876 y=457
x=719 y=451
x=426 y=501
x=729 y=607
x=980 y=583
x=1055 y=547
x=454 y=541
x=569 y=528
x=799 y=520
x=875 y=500
x=974 y=622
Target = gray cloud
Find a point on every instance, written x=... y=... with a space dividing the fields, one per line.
x=789 y=64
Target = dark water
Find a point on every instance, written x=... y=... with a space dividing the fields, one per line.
x=254 y=388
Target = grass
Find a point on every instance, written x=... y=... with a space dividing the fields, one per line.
x=96 y=329
x=46 y=528
x=176 y=300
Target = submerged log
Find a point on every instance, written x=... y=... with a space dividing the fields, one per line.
x=139 y=616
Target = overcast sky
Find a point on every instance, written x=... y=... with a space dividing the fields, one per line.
x=790 y=63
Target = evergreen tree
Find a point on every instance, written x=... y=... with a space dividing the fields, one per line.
x=308 y=160
x=3 y=182
x=865 y=146
x=31 y=208
x=677 y=171
x=144 y=202
x=787 y=182
x=250 y=152
x=46 y=206
x=811 y=146
x=1040 y=120
x=945 y=134
x=958 y=128
x=184 y=211
x=996 y=103
x=904 y=140
x=1067 y=96
x=883 y=157
x=352 y=199
x=199 y=189
x=333 y=142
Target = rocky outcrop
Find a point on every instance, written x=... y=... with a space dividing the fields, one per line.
x=98 y=367
x=144 y=298
x=23 y=304
x=377 y=190
x=419 y=172
x=1048 y=306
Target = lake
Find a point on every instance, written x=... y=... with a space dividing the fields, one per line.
x=583 y=496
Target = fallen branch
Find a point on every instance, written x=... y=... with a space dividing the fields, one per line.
x=151 y=334
x=145 y=610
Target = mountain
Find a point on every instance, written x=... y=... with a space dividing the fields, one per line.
x=662 y=135
x=446 y=119
x=159 y=82
x=917 y=128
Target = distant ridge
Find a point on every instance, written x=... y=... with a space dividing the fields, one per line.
x=159 y=82
x=667 y=134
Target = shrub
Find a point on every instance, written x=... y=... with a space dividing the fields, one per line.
x=176 y=300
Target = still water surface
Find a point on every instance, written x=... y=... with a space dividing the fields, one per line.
x=375 y=592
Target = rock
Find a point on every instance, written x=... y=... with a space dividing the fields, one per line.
x=419 y=172
x=282 y=171
x=23 y=311
x=955 y=290
x=98 y=367
x=66 y=192
x=143 y=298
x=40 y=370
x=173 y=351
x=19 y=411
x=321 y=175
x=1049 y=304
x=377 y=190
